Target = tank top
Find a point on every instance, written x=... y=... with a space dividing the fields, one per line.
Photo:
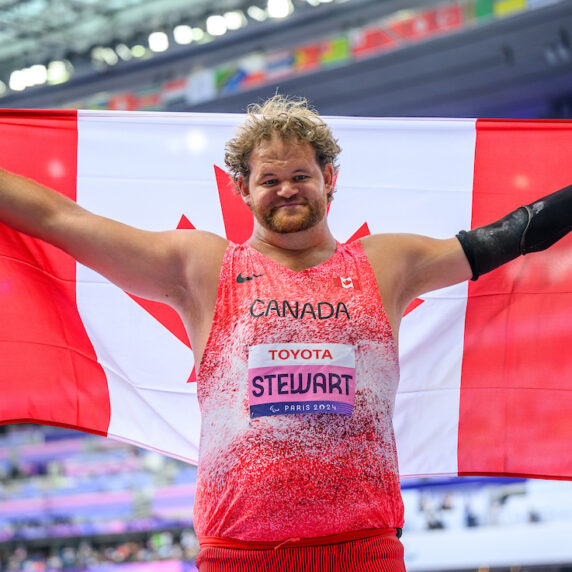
x=296 y=389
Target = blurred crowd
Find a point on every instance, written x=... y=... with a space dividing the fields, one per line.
x=87 y=554
x=69 y=501
x=74 y=502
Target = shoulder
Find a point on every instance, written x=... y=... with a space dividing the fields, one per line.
x=400 y=260
x=198 y=244
x=416 y=264
x=402 y=245
x=389 y=255
x=199 y=247
x=196 y=252
x=200 y=255
x=200 y=237
x=389 y=246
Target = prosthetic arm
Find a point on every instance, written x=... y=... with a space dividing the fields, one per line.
x=529 y=228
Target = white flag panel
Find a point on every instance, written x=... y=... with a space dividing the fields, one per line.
x=398 y=175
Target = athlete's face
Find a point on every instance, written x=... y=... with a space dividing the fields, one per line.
x=287 y=189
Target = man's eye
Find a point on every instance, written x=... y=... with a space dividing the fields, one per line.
x=270 y=182
x=300 y=177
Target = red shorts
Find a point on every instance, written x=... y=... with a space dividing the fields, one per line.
x=376 y=553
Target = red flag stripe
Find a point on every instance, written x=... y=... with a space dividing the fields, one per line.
x=50 y=370
x=237 y=217
x=515 y=408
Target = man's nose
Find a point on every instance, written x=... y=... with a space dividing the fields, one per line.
x=288 y=189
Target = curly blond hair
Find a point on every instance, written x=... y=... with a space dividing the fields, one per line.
x=293 y=119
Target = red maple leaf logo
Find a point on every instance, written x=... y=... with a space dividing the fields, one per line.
x=238 y=226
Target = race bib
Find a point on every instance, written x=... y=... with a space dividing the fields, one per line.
x=286 y=379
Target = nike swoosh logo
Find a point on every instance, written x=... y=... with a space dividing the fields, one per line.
x=242 y=279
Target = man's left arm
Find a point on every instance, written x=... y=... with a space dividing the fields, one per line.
x=530 y=228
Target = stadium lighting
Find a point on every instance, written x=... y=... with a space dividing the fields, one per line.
x=3 y=89
x=18 y=80
x=28 y=77
x=257 y=13
x=106 y=56
x=123 y=52
x=138 y=51
x=234 y=20
x=58 y=72
x=279 y=8
x=197 y=34
x=109 y=56
x=183 y=34
x=216 y=25
x=37 y=74
x=97 y=54
x=158 y=42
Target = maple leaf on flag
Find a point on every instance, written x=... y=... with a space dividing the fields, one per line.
x=238 y=224
x=362 y=231
x=415 y=304
x=237 y=218
x=165 y=314
x=238 y=228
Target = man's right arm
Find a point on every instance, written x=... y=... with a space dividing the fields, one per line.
x=153 y=265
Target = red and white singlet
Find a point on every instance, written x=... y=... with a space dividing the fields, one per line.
x=297 y=387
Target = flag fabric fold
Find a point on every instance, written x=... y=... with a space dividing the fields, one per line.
x=486 y=375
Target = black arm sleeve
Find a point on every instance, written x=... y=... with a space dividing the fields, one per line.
x=529 y=228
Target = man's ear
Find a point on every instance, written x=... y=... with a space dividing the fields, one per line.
x=328 y=177
x=242 y=186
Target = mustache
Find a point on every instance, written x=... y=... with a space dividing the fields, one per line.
x=290 y=201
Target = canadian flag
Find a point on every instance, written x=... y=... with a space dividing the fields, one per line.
x=347 y=282
x=486 y=366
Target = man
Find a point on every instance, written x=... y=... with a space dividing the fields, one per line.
x=295 y=337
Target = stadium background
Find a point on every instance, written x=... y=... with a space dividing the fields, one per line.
x=75 y=502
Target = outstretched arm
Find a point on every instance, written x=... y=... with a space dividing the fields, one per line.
x=530 y=228
x=154 y=265
x=407 y=266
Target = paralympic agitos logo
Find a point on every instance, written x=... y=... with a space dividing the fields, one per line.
x=299 y=310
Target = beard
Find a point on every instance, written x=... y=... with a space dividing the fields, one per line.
x=276 y=220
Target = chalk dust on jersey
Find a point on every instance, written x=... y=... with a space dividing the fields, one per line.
x=297 y=388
